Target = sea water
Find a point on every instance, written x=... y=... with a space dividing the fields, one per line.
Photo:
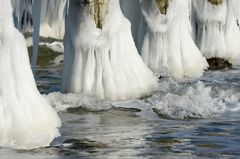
x=183 y=119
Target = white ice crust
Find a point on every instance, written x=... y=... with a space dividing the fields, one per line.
x=103 y=63
x=168 y=42
x=27 y=121
x=216 y=29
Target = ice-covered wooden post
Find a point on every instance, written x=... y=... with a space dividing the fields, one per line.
x=217 y=63
x=168 y=44
x=163 y=5
x=100 y=57
x=215 y=2
x=217 y=31
x=98 y=10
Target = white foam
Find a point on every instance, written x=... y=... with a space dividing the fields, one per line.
x=174 y=101
x=61 y=102
x=54 y=46
x=195 y=103
x=58 y=60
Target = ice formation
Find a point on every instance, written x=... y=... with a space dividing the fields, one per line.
x=22 y=14
x=168 y=42
x=216 y=28
x=52 y=16
x=43 y=18
x=103 y=62
x=26 y=119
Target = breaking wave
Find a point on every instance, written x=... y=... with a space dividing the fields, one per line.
x=62 y=102
x=172 y=101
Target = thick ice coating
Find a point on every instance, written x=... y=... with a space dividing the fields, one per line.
x=168 y=42
x=216 y=28
x=98 y=11
x=103 y=63
x=26 y=120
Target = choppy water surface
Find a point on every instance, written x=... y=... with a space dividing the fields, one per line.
x=186 y=119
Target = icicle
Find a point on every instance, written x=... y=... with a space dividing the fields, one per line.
x=53 y=18
x=36 y=30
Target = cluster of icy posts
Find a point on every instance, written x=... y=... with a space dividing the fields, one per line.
x=101 y=56
x=165 y=32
